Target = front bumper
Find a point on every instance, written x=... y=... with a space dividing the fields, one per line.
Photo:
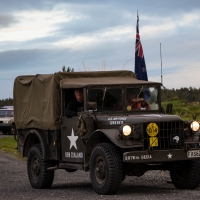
x=160 y=156
x=5 y=126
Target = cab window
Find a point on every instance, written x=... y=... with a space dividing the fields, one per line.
x=108 y=99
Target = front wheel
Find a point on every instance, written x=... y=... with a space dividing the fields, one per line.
x=39 y=176
x=186 y=174
x=105 y=169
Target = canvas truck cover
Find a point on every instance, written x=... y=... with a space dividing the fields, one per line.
x=37 y=98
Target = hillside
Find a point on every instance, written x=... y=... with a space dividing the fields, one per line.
x=186 y=101
x=184 y=109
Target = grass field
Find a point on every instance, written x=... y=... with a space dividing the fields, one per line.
x=9 y=145
x=184 y=109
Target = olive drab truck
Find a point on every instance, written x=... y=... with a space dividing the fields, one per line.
x=112 y=137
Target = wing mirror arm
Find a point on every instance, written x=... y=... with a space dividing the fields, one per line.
x=92 y=106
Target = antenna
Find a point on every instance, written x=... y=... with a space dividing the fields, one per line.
x=161 y=65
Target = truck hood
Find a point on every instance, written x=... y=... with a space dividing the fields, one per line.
x=142 y=118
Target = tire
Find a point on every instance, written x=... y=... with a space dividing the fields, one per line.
x=12 y=130
x=186 y=174
x=39 y=176
x=106 y=169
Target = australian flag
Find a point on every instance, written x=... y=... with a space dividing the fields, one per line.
x=140 y=66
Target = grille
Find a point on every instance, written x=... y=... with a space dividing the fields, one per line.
x=164 y=136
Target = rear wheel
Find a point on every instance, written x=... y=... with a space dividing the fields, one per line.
x=39 y=176
x=186 y=174
x=105 y=169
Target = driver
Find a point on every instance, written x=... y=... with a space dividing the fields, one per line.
x=76 y=104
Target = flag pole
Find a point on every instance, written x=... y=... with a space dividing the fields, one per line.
x=161 y=64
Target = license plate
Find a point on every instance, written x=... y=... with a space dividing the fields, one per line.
x=193 y=154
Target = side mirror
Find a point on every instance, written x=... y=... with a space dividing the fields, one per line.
x=169 y=108
x=91 y=105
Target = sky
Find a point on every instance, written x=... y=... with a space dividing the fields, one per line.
x=42 y=36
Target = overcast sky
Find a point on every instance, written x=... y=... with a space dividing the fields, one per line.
x=41 y=36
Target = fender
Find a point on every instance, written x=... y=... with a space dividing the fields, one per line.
x=34 y=136
x=100 y=136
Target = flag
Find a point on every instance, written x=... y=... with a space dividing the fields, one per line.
x=140 y=66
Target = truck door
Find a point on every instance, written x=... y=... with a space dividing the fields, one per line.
x=72 y=144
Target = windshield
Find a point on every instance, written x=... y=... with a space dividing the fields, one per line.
x=108 y=99
x=6 y=113
x=124 y=99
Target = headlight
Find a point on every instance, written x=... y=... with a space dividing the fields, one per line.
x=125 y=130
x=194 y=126
x=7 y=122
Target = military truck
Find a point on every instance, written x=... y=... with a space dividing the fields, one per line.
x=111 y=137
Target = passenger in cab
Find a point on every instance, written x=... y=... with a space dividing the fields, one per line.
x=135 y=101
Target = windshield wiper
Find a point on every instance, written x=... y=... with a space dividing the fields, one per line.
x=104 y=94
x=139 y=92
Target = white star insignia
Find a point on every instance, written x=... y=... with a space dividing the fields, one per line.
x=72 y=139
x=169 y=156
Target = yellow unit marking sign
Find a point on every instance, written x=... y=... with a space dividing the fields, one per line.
x=128 y=108
x=152 y=129
x=153 y=141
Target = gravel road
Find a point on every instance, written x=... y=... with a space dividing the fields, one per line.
x=14 y=184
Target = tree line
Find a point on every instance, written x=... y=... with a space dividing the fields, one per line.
x=6 y=102
x=186 y=94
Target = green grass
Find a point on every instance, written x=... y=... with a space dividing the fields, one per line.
x=184 y=109
x=9 y=145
